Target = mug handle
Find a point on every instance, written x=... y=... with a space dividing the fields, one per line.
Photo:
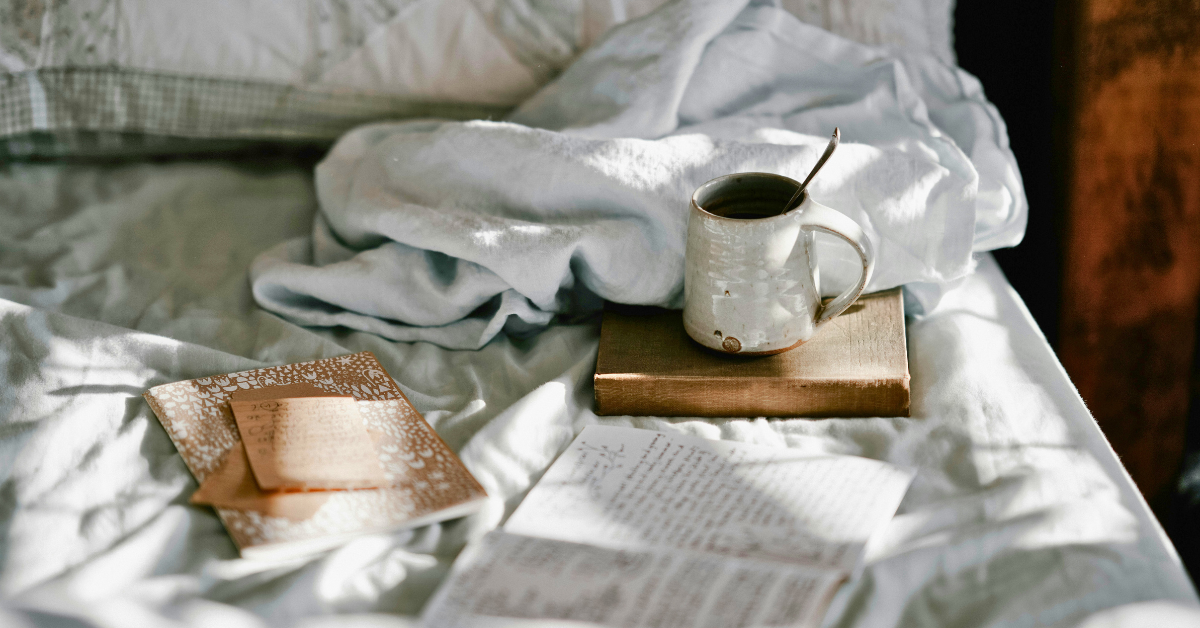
x=818 y=217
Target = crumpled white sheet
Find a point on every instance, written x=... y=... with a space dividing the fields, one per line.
x=116 y=279
x=449 y=232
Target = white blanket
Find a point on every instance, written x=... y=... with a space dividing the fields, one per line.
x=116 y=279
x=449 y=232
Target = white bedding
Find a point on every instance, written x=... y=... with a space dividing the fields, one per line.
x=447 y=232
x=476 y=51
x=115 y=279
x=137 y=77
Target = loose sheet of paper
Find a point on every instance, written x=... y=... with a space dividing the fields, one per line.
x=518 y=577
x=630 y=488
x=308 y=443
x=232 y=485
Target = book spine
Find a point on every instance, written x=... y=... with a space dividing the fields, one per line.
x=639 y=395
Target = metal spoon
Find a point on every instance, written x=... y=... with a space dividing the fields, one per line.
x=833 y=143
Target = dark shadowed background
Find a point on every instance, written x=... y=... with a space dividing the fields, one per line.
x=1029 y=55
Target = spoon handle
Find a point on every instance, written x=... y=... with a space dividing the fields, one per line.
x=833 y=143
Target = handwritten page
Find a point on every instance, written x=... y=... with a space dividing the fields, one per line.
x=630 y=488
x=308 y=443
x=507 y=576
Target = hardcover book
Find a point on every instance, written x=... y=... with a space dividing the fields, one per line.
x=855 y=365
x=426 y=482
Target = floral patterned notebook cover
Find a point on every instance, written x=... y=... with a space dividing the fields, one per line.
x=429 y=483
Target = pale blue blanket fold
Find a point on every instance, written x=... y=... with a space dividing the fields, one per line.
x=449 y=232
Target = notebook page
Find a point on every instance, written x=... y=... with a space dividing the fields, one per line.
x=525 y=578
x=307 y=443
x=629 y=488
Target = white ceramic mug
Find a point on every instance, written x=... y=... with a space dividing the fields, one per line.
x=751 y=284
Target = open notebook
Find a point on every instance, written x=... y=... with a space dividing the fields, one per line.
x=426 y=481
x=632 y=527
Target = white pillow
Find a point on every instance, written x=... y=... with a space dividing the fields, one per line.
x=99 y=76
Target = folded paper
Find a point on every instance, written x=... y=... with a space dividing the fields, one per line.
x=307 y=443
x=232 y=485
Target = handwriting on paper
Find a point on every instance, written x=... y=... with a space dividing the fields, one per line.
x=624 y=488
x=307 y=443
x=512 y=576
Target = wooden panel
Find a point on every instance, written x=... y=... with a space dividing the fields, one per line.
x=1132 y=241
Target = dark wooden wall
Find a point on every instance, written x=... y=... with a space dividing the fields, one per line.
x=1102 y=99
x=1131 y=279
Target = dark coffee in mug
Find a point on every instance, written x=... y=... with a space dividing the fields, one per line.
x=751 y=201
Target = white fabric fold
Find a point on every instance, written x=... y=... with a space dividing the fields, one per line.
x=450 y=232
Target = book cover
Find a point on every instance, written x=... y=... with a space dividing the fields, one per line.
x=428 y=482
x=855 y=365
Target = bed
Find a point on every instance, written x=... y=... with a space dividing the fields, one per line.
x=119 y=276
